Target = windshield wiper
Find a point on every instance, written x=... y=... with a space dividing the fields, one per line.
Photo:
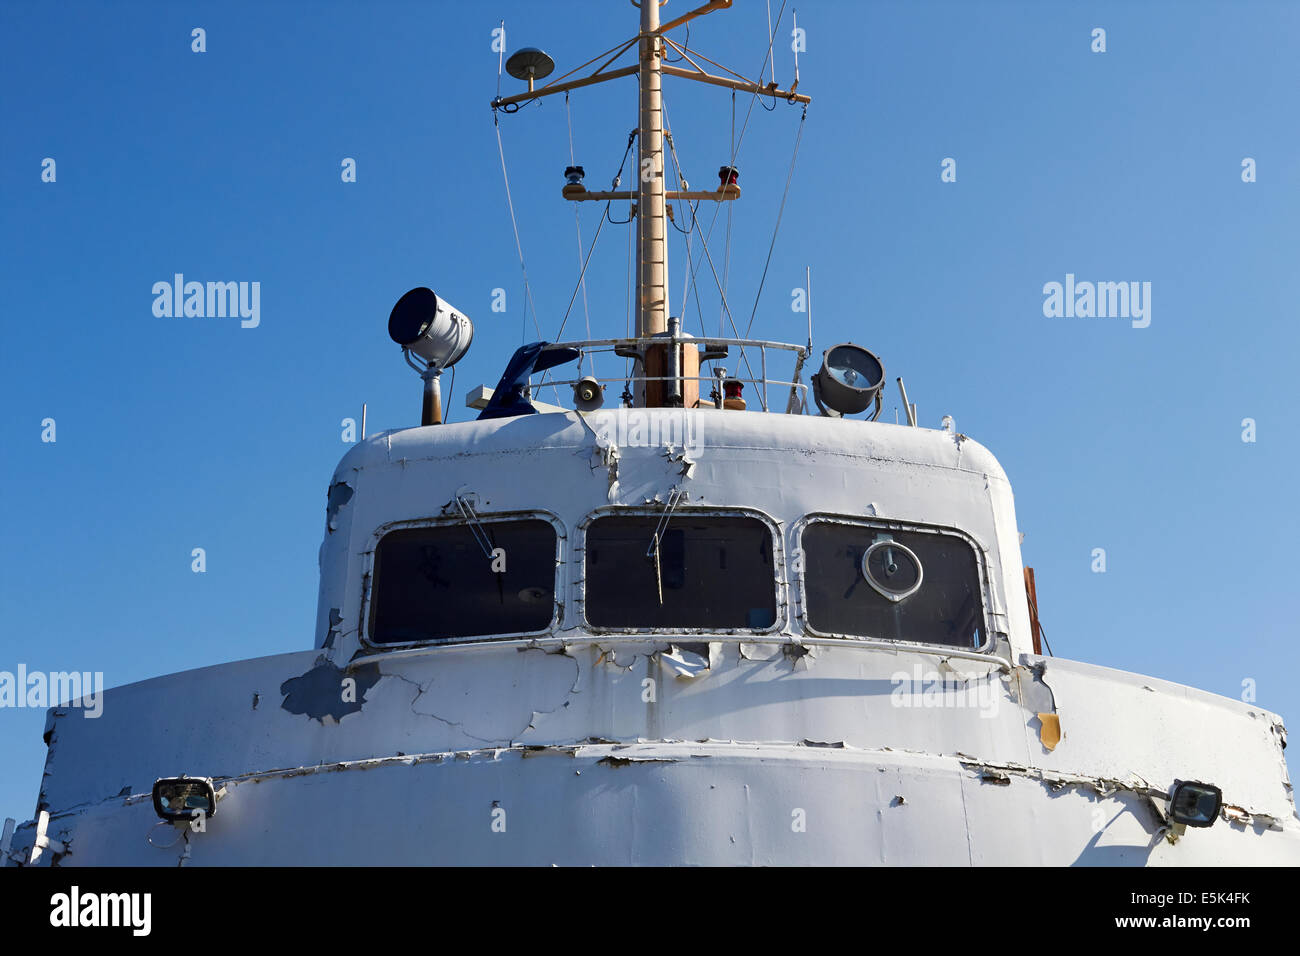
x=674 y=496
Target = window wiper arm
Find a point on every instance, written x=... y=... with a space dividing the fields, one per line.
x=674 y=497
x=475 y=525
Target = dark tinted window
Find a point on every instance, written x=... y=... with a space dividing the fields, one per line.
x=944 y=609
x=712 y=572
x=436 y=583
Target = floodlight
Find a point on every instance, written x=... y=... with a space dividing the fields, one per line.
x=431 y=328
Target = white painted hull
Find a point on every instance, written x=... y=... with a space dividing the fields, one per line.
x=595 y=748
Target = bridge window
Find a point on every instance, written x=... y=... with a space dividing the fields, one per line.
x=458 y=580
x=892 y=583
x=708 y=572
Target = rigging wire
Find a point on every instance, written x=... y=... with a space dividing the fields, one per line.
x=528 y=289
x=581 y=277
x=577 y=225
x=685 y=42
x=744 y=358
x=688 y=274
x=777 y=228
x=736 y=141
x=726 y=255
x=618 y=178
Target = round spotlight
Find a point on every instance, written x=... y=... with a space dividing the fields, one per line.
x=430 y=327
x=849 y=380
x=588 y=395
x=529 y=64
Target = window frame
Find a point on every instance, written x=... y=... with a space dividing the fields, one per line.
x=368 y=581
x=779 y=579
x=886 y=525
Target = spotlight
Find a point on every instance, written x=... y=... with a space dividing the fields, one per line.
x=588 y=395
x=1194 y=804
x=431 y=328
x=849 y=380
x=184 y=798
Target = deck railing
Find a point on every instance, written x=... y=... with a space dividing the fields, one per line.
x=711 y=350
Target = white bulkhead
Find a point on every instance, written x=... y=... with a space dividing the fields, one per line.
x=776 y=741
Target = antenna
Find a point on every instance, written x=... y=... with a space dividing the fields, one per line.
x=529 y=64
x=807 y=272
x=794 y=19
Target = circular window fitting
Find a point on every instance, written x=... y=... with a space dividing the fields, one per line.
x=892 y=569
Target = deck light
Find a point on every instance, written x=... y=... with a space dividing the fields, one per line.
x=850 y=379
x=1194 y=804
x=181 y=799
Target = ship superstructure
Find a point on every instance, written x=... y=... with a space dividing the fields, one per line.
x=714 y=619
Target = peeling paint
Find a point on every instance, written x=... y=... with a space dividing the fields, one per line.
x=1049 y=730
x=685 y=664
x=797 y=653
x=605 y=454
x=335 y=619
x=340 y=494
x=688 y=465
x=321 y=693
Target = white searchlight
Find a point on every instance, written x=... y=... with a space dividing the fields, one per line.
x=849 y=380
x=433 y=330
x=430 y=327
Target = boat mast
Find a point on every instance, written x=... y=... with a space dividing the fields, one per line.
x=651 y=195
x=652 y=308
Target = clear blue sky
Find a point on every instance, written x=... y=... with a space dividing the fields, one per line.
x=177 y=433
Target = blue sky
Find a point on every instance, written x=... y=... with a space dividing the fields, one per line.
x=177 y=433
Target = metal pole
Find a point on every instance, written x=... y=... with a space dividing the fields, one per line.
x=652 y=313
x=908 y=409
x=431 y=411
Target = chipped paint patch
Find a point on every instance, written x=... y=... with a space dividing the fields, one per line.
x=340 y=494
x=327 y=691
x=685 y=664
x=1049 y=730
